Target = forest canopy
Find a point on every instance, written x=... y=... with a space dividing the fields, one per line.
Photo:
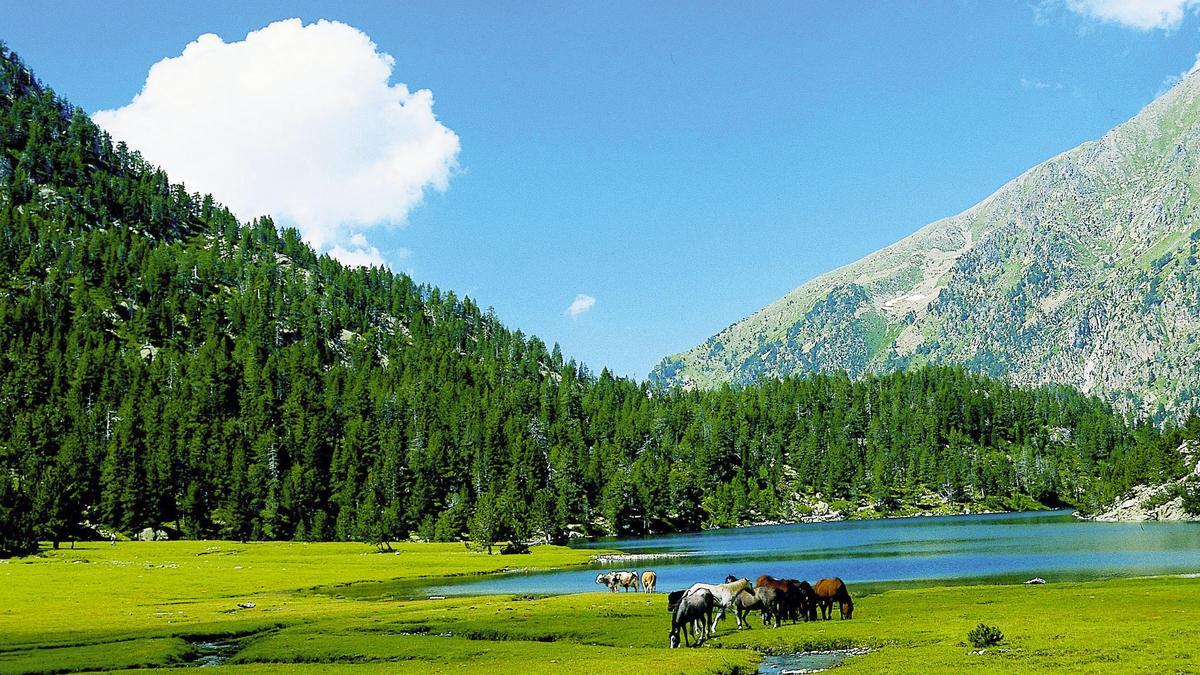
x=163 y=364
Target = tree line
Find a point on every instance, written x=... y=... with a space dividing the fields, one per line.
x=163 y=364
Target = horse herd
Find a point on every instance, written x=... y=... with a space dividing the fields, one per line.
x=777 y=599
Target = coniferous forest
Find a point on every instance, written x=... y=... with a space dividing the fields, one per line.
x=163 y=364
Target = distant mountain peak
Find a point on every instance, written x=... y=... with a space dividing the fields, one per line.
x=1081 y=271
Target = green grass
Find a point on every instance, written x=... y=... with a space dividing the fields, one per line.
x=144 y=605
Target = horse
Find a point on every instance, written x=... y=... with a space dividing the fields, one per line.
x=625 y=580
x=649 y=581
x=829 y=591
x=673 y=599
x=693 y=611
x=796 y=597
x=723 y=595
x=808 y=599
x=744 y=603
x=769 y=601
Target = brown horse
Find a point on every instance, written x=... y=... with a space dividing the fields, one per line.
x=796 y=598
x=830 y=591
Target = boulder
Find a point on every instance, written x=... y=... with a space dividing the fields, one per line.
x=151 y=534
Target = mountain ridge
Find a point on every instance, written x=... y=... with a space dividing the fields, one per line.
x=1063 y=234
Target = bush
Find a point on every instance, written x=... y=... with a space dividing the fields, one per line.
x=984 y=635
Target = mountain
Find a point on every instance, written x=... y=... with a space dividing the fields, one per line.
x=165 y=366
x=1081 y=271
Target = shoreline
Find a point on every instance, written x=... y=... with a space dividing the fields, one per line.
x=841 y=519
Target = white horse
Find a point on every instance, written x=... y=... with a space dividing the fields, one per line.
x=723 y=597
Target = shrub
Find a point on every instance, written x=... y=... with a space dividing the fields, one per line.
x=984 y=635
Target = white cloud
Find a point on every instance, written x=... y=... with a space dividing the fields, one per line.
x=295 y=121
x=1138 y=14
x=1036 y=83
x=580 y=304
x=1172 y=80
x=357 y=252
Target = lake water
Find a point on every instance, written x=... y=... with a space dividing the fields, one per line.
x=955 y=549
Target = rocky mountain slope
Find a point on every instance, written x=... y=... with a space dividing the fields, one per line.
x=1081 y=271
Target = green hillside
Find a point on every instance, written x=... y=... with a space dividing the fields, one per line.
x=164 y=365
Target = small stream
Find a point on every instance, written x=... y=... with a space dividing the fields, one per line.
x=211 y=653
x=805 y=662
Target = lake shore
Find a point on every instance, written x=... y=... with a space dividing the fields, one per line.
x=996 y=548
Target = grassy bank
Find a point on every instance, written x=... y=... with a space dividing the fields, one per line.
x=150 y=604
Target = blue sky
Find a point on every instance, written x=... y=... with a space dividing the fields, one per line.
x=683 y=164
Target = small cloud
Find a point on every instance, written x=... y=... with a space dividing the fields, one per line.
x=1142 y=15
x=358 y=252
x=1172 y=80
x=1043 y=10
x=1035 y=83
x=580 y=304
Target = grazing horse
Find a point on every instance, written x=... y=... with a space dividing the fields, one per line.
x=673 y=599
x=833 y=590
x=692 y=612
x=769 y=601
x=649 y=581
x=796 y=597
x=745 y=602
x=808 y=600
x=625 y=580
x=723 y=595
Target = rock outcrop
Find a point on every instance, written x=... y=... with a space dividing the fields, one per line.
x=1157 y=502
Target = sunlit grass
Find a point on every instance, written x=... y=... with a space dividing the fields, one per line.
x=138 y=605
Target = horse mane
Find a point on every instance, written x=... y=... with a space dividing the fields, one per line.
x=738 y=586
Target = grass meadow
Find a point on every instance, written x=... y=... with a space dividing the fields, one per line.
x=266 y=606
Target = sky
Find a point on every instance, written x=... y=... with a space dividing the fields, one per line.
x=623 y=178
